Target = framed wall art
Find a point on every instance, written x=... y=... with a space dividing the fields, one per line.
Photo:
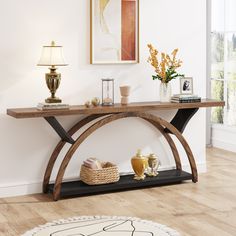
x=114 y=31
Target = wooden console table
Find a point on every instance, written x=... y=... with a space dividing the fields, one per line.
x=104 y=115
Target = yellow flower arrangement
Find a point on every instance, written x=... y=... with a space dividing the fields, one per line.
x=165 y=68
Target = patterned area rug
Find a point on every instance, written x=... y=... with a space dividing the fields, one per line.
x=102 y=226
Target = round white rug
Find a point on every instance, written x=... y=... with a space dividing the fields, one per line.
x=102 y=226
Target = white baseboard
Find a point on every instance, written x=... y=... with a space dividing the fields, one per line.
x=201 y=168
x=224 y=137
x=224 y=145
x=19 y=189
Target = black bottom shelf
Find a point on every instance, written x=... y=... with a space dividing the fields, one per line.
x=126 y=182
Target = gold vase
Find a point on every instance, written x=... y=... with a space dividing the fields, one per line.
x=139 y=165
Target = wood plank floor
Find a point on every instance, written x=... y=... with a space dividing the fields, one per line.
x=203 y=209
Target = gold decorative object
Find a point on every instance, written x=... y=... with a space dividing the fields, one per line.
x=139 y=165
x=153 y=164
x=52 y=56
x=95 y=101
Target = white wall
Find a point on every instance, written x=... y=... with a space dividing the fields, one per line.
x=26 y=25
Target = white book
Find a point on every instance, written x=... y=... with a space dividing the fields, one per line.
x=48 y=106
x=185 y=96
x=44 y=104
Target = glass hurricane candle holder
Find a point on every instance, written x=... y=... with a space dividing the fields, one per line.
x=107 y=92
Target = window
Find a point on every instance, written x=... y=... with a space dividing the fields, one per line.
x=223 y=60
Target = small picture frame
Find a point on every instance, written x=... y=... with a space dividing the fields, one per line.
x=186 y=85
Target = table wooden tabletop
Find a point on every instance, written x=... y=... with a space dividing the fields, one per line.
x=33 y=112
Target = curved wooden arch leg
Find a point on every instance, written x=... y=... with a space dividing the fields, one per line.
x=170 y=142
x=74 y=147
x=61 y=144
x=102 y=122
x=174 y=150
x=182 y=140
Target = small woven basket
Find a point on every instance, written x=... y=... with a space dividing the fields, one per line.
x=108 y=174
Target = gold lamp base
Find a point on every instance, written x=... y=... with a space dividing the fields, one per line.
x=53 y=80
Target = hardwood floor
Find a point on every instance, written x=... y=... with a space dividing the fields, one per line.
x=202 y=209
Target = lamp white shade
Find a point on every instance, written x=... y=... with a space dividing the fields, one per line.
x=52 y=56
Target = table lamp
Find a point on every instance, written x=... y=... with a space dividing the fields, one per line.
x=52 y=56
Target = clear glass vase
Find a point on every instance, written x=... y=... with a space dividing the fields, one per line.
x=165 y=92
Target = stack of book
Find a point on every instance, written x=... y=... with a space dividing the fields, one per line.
x=184 y=98
x=52 y=106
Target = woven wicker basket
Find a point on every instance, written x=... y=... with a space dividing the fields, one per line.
x=108 y=174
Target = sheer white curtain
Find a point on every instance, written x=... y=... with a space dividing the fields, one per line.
x=221 y=52
x=223 y=59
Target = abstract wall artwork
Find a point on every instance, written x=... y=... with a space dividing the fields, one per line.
x=114 y=31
